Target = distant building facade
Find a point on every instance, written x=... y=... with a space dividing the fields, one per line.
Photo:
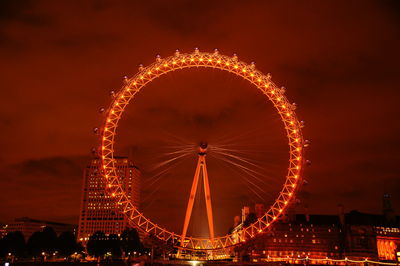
x=352 y=235
x=28 y=226
x=98 y=211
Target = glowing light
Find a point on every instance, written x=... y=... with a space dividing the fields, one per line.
x=223 y=63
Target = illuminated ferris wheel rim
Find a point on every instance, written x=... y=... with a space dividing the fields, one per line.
x=221 y=62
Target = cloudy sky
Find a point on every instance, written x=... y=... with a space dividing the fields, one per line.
x=339 y=61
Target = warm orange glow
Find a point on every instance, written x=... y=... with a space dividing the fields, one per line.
x=214 y=60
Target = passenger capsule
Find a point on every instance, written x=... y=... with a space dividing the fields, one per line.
x=216 y=51
x=141 y=67
x=177 y=53
x=102 y=110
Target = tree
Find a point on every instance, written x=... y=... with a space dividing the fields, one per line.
x=114 y=245
x=66 y=244
x=35 y=244
x=97 y=244
x=49 y=240
x=14 y=243
x=130 y=241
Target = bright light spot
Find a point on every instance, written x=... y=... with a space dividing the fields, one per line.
x=294 y=185
x=141 y=77
x=183 y=60
x=165 y=65
x=227 y=63
x=296 y=176
x=244 y=70
x=279 y=99
x=236 y=66
x=201 y=59
x=283 y=106
x=259 y=80
x=174 y=62
x=149 y=72
x=251 y=75
x=209 y=60
x=280 y=210
x=274 y=218
x=157 y=68
x=290 y=193
x=219 y=61
x=134 y=83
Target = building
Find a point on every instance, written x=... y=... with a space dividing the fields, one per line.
x=28 y=226
x=326 y=239
x=98 y=210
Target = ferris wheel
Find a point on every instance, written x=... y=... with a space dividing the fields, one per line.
x=262 y=82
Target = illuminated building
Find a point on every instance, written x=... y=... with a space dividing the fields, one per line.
x=98 y=210
x=28 y=226
x=324 y=238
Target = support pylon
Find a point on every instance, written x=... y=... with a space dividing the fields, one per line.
x=201 y=170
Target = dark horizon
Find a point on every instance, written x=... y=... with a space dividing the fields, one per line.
x=338 y=61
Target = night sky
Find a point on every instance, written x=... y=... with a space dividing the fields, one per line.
x=339 y=61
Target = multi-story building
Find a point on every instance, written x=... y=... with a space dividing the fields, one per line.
x=28 y=226
x=326 y=238
x=98 y=210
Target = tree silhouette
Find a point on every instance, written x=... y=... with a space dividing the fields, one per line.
x=49 y=240
x=130 y=241
x=35 y=244
x=114 y=245
x=66 y=244
x=14 y=243
x=97 y=244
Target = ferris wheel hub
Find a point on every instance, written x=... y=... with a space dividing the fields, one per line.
x=203 y=148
